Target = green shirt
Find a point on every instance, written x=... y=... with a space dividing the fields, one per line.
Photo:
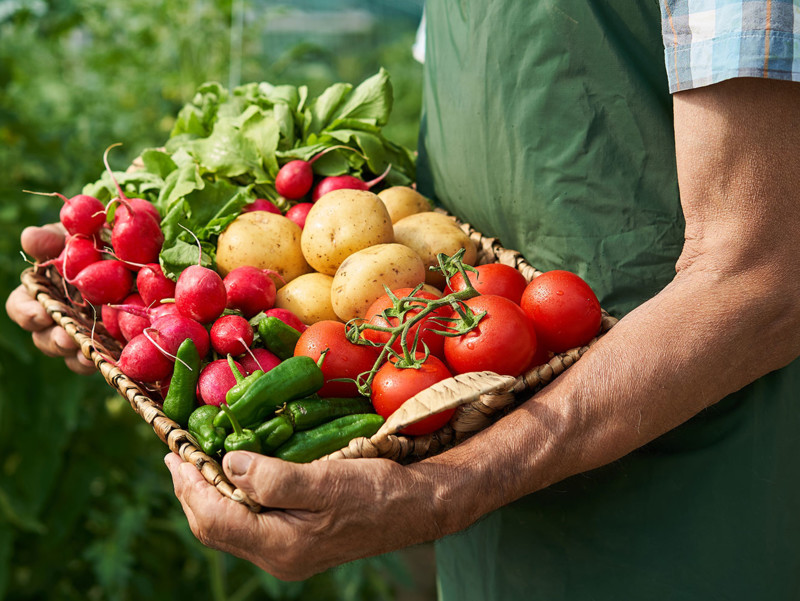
x=548 y=124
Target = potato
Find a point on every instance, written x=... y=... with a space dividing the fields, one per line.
x=360 y=279
x=309 y=297
x=430 y=234
x=341 y=223
x=263 y=240
x=402 y=201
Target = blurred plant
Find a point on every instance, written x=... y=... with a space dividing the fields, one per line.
x=86 y=504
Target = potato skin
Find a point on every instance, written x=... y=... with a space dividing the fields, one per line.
x=263 y=240
x=402 y=201
x=429 y=234
x=341 y=223
x=360 y=279
x=309 y=297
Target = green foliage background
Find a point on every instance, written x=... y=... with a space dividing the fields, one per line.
x=86 y=504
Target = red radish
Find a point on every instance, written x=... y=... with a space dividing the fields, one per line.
x=142 y=360
x=200 y=294
x=261 y=204
x=299 y=212
x=231 y=335
x=287 y=317
x=174 y=329
x=81 y=214
x=137 y=205
x=78 y=252
x=345 y=182
x=129 y=324
x=163 y=310
x=104 y=282
x=249 y=290
x=216 y=379
x=259 y=358
x=295 y=178
x=153 y=285
x=110 y=318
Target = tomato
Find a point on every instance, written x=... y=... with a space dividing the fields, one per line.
x=435 y=342
x=343 y=360
x=564 y=310
x=504 y=341
x=494 y=278
x=393 y=386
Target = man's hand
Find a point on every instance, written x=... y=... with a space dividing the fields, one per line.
x=44 y=243
x=327 y=513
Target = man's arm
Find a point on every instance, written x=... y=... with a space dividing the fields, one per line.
x=730 y=316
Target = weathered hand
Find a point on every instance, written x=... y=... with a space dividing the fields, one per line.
x=325 y=513
x=45 y=243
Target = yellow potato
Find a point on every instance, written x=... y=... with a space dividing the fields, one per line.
x=430 y=234
x=361 y=278
x=402 y=201
x=309 y=297
x=263 y=240
x=341 y=223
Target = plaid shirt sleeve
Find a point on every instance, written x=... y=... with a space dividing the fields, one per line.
x=707 y=41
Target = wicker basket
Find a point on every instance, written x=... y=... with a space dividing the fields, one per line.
x=479 y=397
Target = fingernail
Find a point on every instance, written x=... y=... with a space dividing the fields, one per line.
x=238 y=463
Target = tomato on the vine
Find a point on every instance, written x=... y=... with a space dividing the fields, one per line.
x=393 y=386
x=343 y=360
x=435 y=342
x=564 y=309
x=492 y=278
x=504 y=340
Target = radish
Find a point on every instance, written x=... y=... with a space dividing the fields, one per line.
x=142 y=360
x=299 y=212
x=216 y=379
x=104 y=282
x=231 y=335
x=153 y=285
x=174 y=329
x=200 y=293
x=110 y=318
x=259 y=358
x=287 y=317
x=78 y=252
x=163 y=310
x=295 y=178
x=250 y=290
x=345 y=182
x=129 y=324
x=261 y=204
x=81 y=214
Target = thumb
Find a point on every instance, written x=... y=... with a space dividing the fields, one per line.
x=42 y=242
x=274 y=483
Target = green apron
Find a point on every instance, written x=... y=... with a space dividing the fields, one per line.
x=548 y=124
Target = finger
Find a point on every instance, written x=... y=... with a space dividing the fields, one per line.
x=80 y=364
x=26 y=311
x=173 y=462
x=42 y=242
x=272 y=482
x=49 y=342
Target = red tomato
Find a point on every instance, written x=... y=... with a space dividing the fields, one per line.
x=434 y=341
x=564 y=310
x=503 y=342
x=493 y=278
x=393 y=386
x=343 y=360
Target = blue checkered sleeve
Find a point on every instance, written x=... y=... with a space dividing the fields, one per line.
x=707 y=41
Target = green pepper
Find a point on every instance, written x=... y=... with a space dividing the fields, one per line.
x=310 y=413
x=308 y=445
x=278 y=337
x=236 y=392
x=241 y=439
x=274 y=433
x=292 y=379
x=181 y=397
x=201 y=425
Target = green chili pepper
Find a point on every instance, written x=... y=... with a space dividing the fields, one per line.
x=292 y=379
x=310 y=413
x=181 y=397
x=278 y=336
x=236 y=392
x=308 y=445
x=274 y=433
x=241 y=439
x=201 y=425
